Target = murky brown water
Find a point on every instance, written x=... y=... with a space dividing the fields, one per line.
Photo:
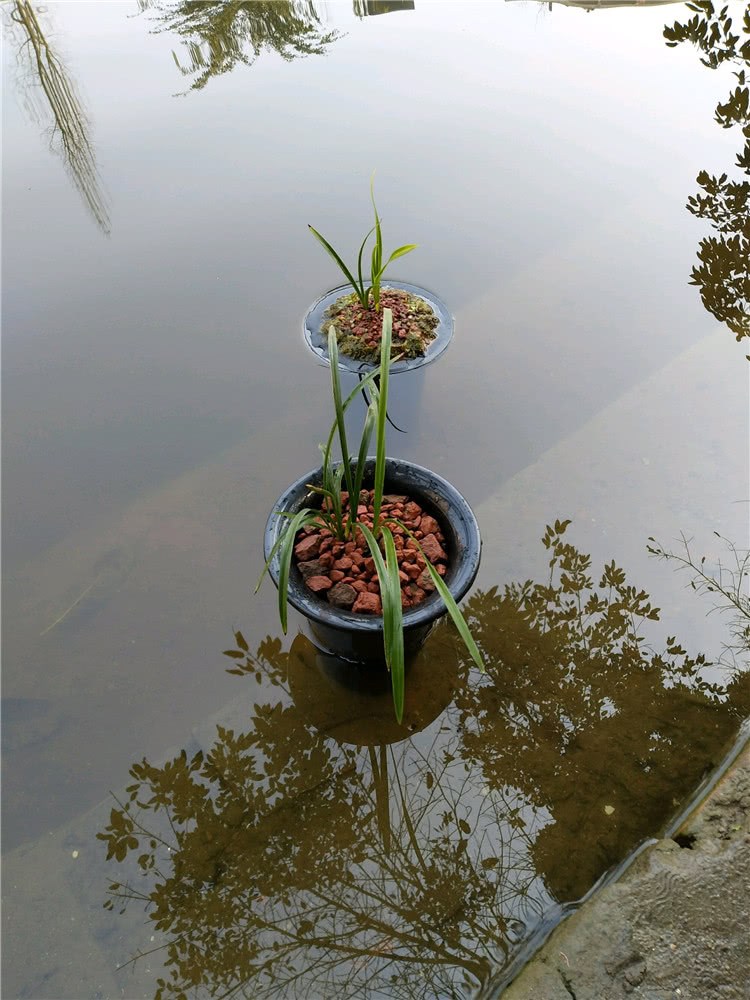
x=158 y=397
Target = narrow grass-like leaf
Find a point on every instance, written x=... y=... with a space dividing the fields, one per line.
x=363 y=295
x=286 y=538
x=390 y=596
x=453 y=609
x=303 y=517
x=393 y=633
x=349 y=276
x=377 y=250
x=385 y=355
x=400 y=252
x=366 y=381
x=364 y=445
x=375 y=274
x=333 y=355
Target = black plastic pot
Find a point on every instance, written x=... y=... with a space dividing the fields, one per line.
x=359 y=637
x=317 y=340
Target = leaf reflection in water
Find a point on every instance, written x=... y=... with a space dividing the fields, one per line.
x=723 y=272
x=218 y=35
x=284 y=862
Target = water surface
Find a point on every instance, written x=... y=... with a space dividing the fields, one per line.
x=159 y=397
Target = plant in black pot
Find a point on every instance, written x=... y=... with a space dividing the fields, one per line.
x=372 y=550
x=420 y=322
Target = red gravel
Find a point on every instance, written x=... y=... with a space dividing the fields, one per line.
x=359 y=331
x=345 y=571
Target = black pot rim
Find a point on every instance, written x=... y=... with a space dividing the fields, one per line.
x=452 y=509
x=317 y=343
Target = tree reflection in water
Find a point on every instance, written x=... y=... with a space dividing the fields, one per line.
x=220 y=34
x=283 y=862
x=51 y=96
x=723 y=274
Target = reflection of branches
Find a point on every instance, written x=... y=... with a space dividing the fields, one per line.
x=723 y=274
x=70 y=129
x=281 y=880
x=219 y=34
x=296 y=866
x=610 y=730
x=727 y=584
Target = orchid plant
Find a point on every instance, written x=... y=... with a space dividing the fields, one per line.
x=345 y=524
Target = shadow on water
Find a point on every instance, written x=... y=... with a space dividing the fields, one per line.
x=317 y=848
x=51 y=97
x=723 y=272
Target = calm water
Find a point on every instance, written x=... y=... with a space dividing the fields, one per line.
x=158 y=397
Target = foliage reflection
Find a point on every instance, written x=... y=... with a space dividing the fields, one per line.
x=69 y=133
x=219 y=34
x=723 y=274
x=283 y=862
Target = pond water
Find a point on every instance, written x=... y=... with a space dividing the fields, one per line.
x=158 y=178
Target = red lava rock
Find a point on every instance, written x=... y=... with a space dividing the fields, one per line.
x=432 y=548
x=342 y=595
x=314 y=567
x=345 y=571
x=368 y=604
x=429 y=525
x=308 y=548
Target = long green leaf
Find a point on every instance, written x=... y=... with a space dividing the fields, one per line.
x=375 y=278
x=302 y=518
x=364 y=445
x=453 y=609
x=393 y=624
x=390 y=595
x=385 y=363
x=400 y=252
x=363 y=296
x=333 y=356
x=285 y=542
x=367 y=381
x=377 y=250
x=349 y=276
